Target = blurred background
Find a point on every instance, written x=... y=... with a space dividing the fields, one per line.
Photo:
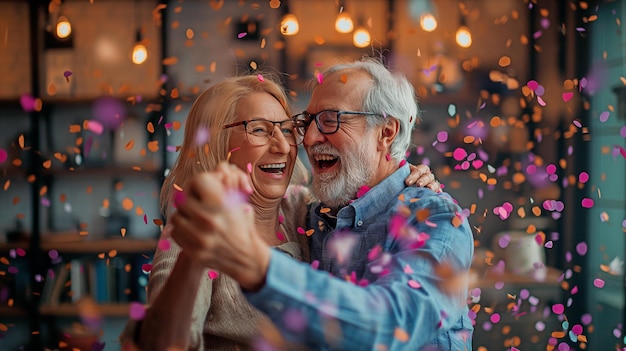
x=524 y=105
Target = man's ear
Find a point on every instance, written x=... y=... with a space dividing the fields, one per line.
x=388 y=133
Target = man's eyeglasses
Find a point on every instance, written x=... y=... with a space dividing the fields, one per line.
x=260 y=131
x=327 y=121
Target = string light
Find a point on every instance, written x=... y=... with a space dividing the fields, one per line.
x=344 y=23
x=361 y=37
x=289 y=25
x=428 y=22
x=464 y=37
x=140 y=53
x=63 y=28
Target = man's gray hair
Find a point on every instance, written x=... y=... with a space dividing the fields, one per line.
x=391 y=95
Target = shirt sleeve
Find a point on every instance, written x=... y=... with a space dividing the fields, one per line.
x=407 y=297
x=164 y=259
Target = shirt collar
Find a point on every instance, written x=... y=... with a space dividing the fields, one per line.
x=375 y=201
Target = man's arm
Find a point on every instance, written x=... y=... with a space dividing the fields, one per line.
x=422 y=291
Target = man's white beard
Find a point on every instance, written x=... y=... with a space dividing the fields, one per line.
x=337 y=189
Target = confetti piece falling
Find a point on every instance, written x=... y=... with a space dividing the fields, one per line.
x=212 y=274
x=136 y=311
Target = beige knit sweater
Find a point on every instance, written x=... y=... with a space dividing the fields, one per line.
x=222 y=318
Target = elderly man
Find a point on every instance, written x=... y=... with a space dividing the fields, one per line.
x=389 y=262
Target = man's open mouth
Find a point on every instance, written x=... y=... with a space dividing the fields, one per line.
x=325 y=161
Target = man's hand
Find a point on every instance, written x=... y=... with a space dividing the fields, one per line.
x=214 y=225
x=422 y=176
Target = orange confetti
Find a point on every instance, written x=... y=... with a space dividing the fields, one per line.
x=422 y=214
x=150 y=127
x=123 y=232
x=324 y=210
x=153 y=145
x=47 y=164
x=16 y=200
x=75 y=128
x=344 y=78
x=21 y=140
x=309 y=232
x=7 y=184
x=401 y=335
x=457 y=221
x=127 y=204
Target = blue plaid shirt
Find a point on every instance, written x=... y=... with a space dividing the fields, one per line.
x=391 y=275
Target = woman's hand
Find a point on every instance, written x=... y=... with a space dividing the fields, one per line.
x=422 y=176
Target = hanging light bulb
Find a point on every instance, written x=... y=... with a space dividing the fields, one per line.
x=464 y=37
x=428 y=22
x=140 y=53
x=289 y=24
x=361 y=37
x=64 y=28
x=344 y=23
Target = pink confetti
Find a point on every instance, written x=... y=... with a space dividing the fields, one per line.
x=202 y=136
x=249 y=167
x=414 y=284
x=442 y=136
x=179 y=198
x=374 y=252
x=164 y=244
x=567 y=96
x=145 y=219
x=146 y=267
x=136 y=311
x=494 y=318
x=408 y=269
x=583 y=177
x=3 y=155
x=301 y=230
x=581 y=248
x=577 y=329
x=540 y=101
x=67 y=74
x=622 y=132
x=241 y=35
x=604 y=116
x=212 y=274
x=598 y=283
x=280 y=236
x=362 y=190
x=388 y=157
x=587 y=202
x=95 y=127
x=532 y=85
x=260 y=78
x=281 y=219
x=558 y=308
x=577 y=124
x=28 y=102
x=402 y=163
x=459 y=154
x=320 y=78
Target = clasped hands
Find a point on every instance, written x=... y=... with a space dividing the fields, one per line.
x=214 y=225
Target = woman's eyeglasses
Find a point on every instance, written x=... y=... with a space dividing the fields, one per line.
x=327 y=121
x=259 y=131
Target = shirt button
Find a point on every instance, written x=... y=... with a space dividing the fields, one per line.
x=359 y=223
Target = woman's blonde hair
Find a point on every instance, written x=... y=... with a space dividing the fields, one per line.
x=214 y=108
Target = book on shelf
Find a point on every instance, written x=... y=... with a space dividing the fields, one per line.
x=111 y=280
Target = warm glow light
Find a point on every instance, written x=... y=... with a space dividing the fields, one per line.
x=361 y=38
x=140 y=54
x=289 y=25
x=464 y=37
x=344 y=24
x=428 y=22
x=64 y=28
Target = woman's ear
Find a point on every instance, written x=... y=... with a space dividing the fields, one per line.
x=388 y=133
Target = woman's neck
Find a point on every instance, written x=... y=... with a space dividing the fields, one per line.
x=266 y=220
